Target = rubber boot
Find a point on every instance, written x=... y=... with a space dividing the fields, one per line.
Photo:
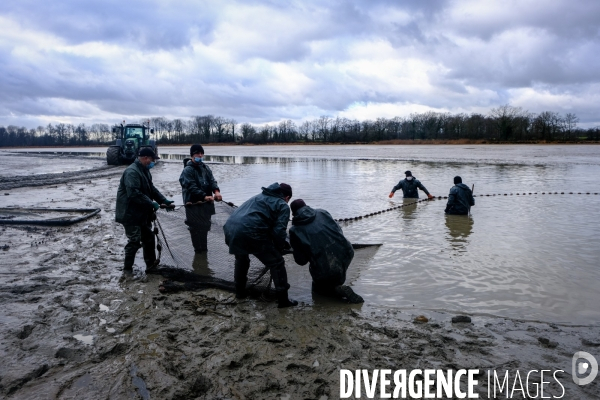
x=240 y=276
x=283 y=300
x=347 y=293
x=128 y=264
x=199 y=240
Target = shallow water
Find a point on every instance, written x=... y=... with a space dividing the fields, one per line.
x=531 y=257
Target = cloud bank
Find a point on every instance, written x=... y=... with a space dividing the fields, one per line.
x=267 y=61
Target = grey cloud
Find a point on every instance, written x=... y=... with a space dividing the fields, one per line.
x=143 y=23
x=467 y=53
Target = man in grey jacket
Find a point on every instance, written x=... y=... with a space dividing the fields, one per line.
x=460 y=199
x=259 y=227
x=137 y=201
x=318 y=240
x=409 y=186
x=197 y=187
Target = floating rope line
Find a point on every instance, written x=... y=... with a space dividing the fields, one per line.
x=445 y=197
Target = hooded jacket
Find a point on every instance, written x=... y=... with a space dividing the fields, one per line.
x=259 y=223
x=135 y=195
x=409 y=188
x=460 y=199
x=197 y=181
x=318 y=239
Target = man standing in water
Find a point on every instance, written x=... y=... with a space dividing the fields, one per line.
x=460 y=199
x=197 y=187
x=409 y=186
x=137 y=201
x=259 y=227
x=318 y=239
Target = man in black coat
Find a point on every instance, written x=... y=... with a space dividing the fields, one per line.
x=137 y=201
x=409 y=186
x=259 y=227
x=317 y=239
x=460 y=199
x=197 y=187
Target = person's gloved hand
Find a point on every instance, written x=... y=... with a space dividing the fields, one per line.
x=168 y=205
x=155 y=206
x=391 y=195
x=430 y=196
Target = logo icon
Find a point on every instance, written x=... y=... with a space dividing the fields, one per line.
x=583 y=364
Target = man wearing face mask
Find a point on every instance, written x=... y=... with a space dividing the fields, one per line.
x=197 y=187
x=259 y=227
x=409 y=186
x=137 y=201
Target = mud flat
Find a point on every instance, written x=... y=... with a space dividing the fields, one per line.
x=73 y=326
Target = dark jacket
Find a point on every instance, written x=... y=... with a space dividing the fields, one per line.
x=318 y=239
x=259 y=223
x=409 y=188
x=460 y=199
x=197 y=181
x=135 y=195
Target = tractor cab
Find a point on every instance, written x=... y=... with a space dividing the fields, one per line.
x=132 y=132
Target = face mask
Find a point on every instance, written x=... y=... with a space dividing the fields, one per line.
x=151 y=165
x=409 y=178
x=197 y=159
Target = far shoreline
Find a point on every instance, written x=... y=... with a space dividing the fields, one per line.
x=396 y=142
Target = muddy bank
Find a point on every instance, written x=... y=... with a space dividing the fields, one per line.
x=82 y=340
x=73 y=326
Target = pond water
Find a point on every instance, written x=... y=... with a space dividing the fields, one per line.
x=532 y=257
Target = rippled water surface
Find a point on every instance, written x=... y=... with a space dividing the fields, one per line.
x=531 y=257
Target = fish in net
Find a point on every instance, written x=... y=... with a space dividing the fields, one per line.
x=179 y=236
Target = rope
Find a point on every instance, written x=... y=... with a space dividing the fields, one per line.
x=439 y=198
x=445 y=197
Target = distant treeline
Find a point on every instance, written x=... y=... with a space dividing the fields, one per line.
x=505 y=124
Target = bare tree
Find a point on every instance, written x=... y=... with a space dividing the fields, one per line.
x=570 y=122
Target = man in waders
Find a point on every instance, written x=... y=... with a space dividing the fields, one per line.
x=197 y=187
x=460 y=199
x=259 y=227
x=409 y=186
x=137 y=202
x=317 y=239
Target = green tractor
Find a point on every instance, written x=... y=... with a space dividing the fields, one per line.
x=130 y=139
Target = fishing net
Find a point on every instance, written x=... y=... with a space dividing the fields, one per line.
x=181 y=231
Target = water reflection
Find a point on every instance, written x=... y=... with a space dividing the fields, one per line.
x=459 y=228
x=200 y=264
x=408 y=209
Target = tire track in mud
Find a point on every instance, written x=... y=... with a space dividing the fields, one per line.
x=13 y=182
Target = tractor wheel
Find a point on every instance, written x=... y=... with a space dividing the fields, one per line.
x=112 y=155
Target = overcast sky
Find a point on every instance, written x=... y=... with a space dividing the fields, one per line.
x=102 y=61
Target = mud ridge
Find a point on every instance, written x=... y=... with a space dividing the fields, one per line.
x=13 y=182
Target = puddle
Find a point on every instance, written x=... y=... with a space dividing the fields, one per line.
x=104 y=308
x=139 y=383
x=110 y=330
x=89 y=339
